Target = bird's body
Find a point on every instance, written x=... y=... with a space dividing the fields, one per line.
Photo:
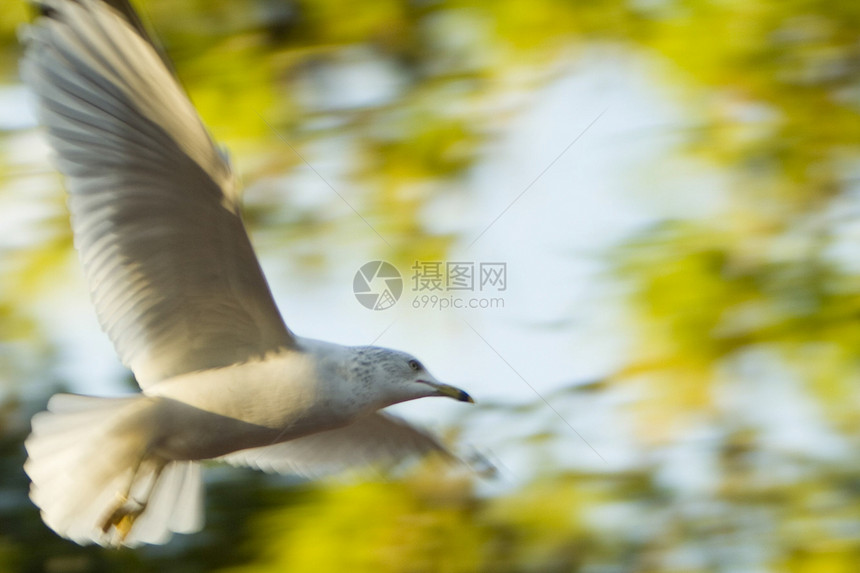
x=317 y=388
x=243 y=392
x=156 y=217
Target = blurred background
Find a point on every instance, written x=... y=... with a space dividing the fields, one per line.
x=668 y=380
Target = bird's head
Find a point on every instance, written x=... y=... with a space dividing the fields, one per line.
x=391 y=376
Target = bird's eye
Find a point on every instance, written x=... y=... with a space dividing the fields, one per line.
x=415 y=365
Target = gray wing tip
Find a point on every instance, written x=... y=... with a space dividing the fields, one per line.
x=57 y=11
x=46 y=8
x=50 y=14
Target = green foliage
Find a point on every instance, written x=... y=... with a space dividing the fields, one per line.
x=773 y=90
x=399 y=526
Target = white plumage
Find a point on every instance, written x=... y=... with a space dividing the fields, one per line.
x=176 y=285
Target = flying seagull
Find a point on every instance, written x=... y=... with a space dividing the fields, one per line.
x=156 y=218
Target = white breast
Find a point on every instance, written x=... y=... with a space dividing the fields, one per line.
x=275 y=393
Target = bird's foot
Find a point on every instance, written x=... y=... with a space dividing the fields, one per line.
x=122 y=518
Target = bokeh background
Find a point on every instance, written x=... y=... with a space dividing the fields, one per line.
x=671 y=381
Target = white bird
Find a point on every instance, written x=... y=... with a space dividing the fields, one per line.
x=156 y=218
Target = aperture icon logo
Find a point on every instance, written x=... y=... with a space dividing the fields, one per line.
x=377 y=285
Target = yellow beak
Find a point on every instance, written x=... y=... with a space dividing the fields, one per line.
x=452 y=392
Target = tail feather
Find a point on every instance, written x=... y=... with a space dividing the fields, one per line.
x=94 y=481
x=176 y=499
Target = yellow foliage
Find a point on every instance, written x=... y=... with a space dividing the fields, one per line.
x=348 y=21
x=773 y=86
x=370 y=527
x=824 y=560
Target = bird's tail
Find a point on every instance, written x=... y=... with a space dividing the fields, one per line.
x=95 y=480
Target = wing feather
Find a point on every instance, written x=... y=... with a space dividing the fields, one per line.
x=154 y=203
x=377 y=439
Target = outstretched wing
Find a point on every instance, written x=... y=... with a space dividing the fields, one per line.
x=155 y=206
x=377 y=439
